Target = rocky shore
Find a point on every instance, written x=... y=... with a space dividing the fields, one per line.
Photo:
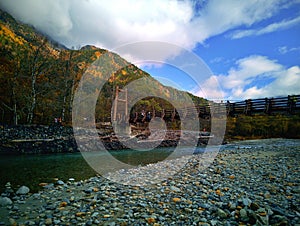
x=38 y=139
x=245 y=185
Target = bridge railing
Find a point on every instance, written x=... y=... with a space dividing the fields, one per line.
x=282 y=105
x=263 y=106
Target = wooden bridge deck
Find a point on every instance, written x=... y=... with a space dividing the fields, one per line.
x=289 y=105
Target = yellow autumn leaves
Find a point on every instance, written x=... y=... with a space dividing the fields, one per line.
x=6 y=32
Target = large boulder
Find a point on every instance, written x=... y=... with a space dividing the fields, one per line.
x=23 y=190
x=5 y=201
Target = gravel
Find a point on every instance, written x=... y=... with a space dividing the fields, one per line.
x=245 y=185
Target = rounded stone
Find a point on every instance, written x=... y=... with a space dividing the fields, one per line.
x=23 y=190
x=5 y=201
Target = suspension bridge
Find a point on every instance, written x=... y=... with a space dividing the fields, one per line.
x=288 y=105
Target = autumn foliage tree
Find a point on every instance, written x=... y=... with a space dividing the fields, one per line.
x=39 y=77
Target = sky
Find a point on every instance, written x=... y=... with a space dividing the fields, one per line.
x=252 y=48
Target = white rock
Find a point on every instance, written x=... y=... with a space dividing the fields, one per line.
x=23 y=190
x=5 y=201
x=60 y=182
x=173 y=188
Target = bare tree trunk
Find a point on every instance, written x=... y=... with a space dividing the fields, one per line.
x=38 y=65
x=14 y=99
x=15 y=112
x=64 y=99
x=63 y=109
x=14 y=108
x=67 y=87
x=72 y=96
x=33 y=98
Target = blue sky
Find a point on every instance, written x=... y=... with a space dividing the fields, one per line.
x=225 y=52
x=251 y=47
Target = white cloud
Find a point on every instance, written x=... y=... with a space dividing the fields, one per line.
x=247 y=70
x=268 y=29
x=51 y=17
x=287 y=82
x=244 y=80
x=115 y=23
x=210 y=89
x=110 y=24
x=285 y=49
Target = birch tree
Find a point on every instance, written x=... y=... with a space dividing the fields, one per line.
x=38 y=65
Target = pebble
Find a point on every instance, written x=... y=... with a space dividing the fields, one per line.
x=5 y=201
x=23 y=190
x=173 y=188
x=246 y=202
x=48 y=221
x=12 y=222
x=60 y=182
x=243 y=215
x=236 y=189
x=221 y=213
x=71 y=179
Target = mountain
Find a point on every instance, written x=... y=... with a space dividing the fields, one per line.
x=39 y=77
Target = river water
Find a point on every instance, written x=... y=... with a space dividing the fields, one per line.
x=30 y=170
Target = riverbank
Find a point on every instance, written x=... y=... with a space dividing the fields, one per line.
x=247 y=183
x=39 y=139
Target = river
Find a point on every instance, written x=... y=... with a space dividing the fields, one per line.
x=31 y=170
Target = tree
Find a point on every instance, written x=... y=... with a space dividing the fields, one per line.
x=12 y=61
x=66 y=72
x=38 y=64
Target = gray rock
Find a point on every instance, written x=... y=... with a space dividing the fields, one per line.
x=95 y=214
x=71 y=179
x=8 y=185
x=261 y=210
x=221 y=213
x=60 y=182
x=204 y=205
x=50 y=207
x=246 y=201
x=36 y=196
x=15 y=208
x=144 y=205
x=203 y=219
x=262 y=220
x=49 y=186
x=214 y=222
x=296 y=190
x=5 y=201
x=232 y=206
x=72 y=199
x=243 y=215
x=23 y=190
x=279 y=220
x=48 y=221
x=173 y=188
x=20 y=201
x=56 y=222
x=29 y=223
x=97 y=222
x=12 y=221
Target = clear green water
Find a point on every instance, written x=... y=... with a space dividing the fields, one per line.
x=30 y=170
